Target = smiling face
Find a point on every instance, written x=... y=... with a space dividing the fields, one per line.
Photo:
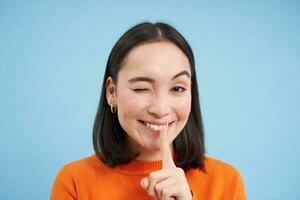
x=153 y=88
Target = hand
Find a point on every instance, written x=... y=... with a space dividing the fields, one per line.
x=170 y=181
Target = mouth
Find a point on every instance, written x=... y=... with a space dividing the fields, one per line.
x=155 y=126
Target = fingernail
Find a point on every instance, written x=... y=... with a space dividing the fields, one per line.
x=143 y=183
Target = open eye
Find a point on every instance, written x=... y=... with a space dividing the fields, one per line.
x=178 y=89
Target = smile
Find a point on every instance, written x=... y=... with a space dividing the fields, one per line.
x=155 y=127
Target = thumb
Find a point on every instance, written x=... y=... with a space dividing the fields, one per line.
x=144 y=183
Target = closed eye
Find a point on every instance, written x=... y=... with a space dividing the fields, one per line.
x=140 y=89
x=176 y=89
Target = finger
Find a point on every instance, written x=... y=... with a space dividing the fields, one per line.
x=144 y=183
x=166 y=155
x=154 y=178
x=170 y=192
x=163 y=185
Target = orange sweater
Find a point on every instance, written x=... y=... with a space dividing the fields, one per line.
x=89 y=178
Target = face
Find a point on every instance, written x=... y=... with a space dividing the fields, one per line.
x=153 y=88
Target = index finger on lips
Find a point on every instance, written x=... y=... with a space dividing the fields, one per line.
x=166 y=155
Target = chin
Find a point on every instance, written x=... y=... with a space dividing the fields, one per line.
x=152 y=147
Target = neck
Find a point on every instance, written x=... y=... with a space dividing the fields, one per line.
x=146 y=154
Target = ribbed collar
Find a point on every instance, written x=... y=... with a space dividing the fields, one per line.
x=139 y=167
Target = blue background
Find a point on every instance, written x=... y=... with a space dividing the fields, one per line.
x=52 y=59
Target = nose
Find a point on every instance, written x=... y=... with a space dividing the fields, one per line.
x=160 y=106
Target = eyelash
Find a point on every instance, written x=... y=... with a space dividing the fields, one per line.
x=182 y=89
x=139 y=90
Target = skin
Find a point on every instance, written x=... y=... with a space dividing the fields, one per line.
x=162 y=96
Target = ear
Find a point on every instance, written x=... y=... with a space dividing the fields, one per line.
x=110 y=92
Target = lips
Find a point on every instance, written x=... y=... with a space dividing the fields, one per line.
x=155 y=126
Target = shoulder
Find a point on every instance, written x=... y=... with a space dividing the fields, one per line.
x=87 y=163
x=216 y=170
x=216 y=166
x=80 y=168
x=74 y=173
x=219 y=172
x=226 y=177
x=222 y=172
x=219 y=179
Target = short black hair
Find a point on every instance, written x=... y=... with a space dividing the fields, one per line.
x=109 y=138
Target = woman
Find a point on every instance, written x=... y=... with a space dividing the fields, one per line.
x=148 y=134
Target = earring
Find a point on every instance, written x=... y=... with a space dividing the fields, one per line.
x=113 y=109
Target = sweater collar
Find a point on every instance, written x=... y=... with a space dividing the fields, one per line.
x=139 y=167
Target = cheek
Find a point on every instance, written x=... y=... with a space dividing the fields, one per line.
x=183 y=107
x=129 y=105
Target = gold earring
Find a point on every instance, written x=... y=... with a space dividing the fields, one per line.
x=113 y=109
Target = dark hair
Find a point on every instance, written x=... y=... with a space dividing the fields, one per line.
x=108 y=135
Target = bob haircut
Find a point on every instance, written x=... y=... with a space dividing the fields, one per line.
x=108 y=135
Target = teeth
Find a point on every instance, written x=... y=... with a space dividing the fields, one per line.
x=154 y=126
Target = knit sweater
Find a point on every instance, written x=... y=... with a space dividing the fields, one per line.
x=89 y=178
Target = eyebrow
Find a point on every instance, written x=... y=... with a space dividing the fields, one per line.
x=150 y=80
